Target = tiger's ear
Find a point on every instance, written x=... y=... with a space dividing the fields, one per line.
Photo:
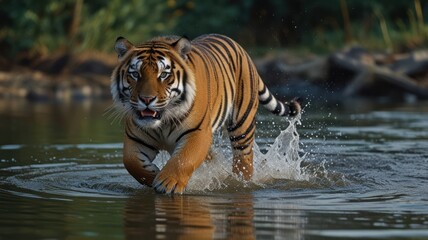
x=122 y=46
x=183 y=47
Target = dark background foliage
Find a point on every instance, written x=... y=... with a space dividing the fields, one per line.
x=34 y=28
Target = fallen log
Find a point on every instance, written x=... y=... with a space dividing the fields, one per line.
x=368 y=74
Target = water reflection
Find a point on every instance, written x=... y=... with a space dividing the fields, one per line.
x=189 y=217
x=61 y=176
x=23 y=122
x=259 y=215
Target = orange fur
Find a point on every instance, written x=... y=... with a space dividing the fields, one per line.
x=175 y=93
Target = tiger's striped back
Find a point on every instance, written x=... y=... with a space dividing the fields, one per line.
x=176 y=93
x=234 y=71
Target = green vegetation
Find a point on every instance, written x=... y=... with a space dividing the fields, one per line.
x=34 y=28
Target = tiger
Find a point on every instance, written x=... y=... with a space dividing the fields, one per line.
x=174 y=94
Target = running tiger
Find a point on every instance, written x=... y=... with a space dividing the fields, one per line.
x=175 y=93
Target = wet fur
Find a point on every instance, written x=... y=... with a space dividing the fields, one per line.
x=210 y=82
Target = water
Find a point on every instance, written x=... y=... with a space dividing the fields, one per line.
x=341 y=172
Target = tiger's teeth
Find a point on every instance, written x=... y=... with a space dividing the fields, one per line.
x=149 y=113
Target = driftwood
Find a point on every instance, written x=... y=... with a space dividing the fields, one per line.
x=369 y=72
x=356 y=72
x=351 y=73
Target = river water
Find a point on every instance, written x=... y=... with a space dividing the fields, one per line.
x=343 y=171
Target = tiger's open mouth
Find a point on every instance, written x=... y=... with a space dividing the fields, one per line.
x=150 y=114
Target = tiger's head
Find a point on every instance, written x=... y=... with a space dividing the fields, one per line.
x=152 y=82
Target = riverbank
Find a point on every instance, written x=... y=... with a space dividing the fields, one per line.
x=351 y=73
x=62 y=76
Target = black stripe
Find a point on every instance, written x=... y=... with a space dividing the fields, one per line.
x=241 y=99
x=233 y=45
x=278 y=108
x=267 y=100
x=150 y=46
x=171 y=130
x=218 y=114
x=221 y=50
x=145 y=155
x=225 y=106
x=287 y=110
x=239 y=78
x=243 y=135
x=151 y=136
x=229 y=60
x=147 y=165
x=251 y=103
x=197 y=128
x=184 y=79
x=263 y=91
x=203 y=59
x=224 y=38
x=158 y=134
x=178 y=77
x=216 y=61
x=249 y=139
x=239 y=59
x=159 y=52
x=137 y=140
x=241 y=147
x=248 y=142
x=176 y=90
x=220 y=63
x=212 y=61
x=216 y=49
x=119 y=92
x=199 y=52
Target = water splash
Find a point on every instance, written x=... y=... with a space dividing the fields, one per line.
x=282 y=161
x=282 y=165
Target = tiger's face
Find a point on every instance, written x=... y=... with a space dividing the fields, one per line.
x=152 y=82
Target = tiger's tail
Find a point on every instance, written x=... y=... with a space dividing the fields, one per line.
x=287 y=109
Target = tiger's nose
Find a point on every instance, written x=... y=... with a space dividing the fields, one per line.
x=147 y=100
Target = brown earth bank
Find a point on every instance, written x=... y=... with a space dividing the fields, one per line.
x=61 y=76
x=351 y=73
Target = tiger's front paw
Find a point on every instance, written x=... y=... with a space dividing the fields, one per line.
x=169 y=183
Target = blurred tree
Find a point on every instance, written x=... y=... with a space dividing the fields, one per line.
x=196 y=17
x=36 y=27
x=136 y=20
x=40 y=27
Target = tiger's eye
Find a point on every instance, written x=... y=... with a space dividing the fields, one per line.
x=164 y=75
x=134 y=75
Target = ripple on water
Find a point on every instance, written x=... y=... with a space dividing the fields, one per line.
x=281 y=166
x=70 y=180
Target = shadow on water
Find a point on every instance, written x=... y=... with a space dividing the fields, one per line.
x=339 y=173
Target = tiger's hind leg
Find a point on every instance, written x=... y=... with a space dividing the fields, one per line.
x=242 y=140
